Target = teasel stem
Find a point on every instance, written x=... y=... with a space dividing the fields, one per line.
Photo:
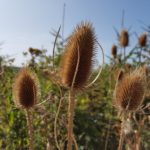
x=121 y=140
x=71 y=107
x=56 y=119
x=70 y=118
x=124 y=49
x=75 y=143
x=30 y=129
x=140 y=57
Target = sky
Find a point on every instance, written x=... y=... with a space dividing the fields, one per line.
x=27 y=23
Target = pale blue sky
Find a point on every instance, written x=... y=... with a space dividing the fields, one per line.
x=26 y=23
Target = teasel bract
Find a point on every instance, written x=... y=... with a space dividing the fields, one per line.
x=143 y=40
x=76 y=67
x=26 y=93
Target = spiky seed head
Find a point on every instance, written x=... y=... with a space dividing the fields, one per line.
x=114 y=51
x=124 y=38
x=26 y=89
x=129 y=92
x=143 y=40
x=81 y=41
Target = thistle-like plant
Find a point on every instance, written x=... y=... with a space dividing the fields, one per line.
x=129 y=95
x=26 y=95
x=76 y=66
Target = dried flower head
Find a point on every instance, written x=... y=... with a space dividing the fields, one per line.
x=124 y=38
x=26 y=89
x=114 y=51
x=129 y=92
x=143 y=40
x=81 y=43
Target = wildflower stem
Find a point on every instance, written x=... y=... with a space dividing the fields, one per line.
x=71 y=109
x=30 y=129
x=121 y=140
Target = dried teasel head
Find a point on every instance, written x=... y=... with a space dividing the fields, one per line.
x=114 y=51
x=81 y=43
x=26 y=89
x=124 y=38
x=130 y=90
x=143 y=40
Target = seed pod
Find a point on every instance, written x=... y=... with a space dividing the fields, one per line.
x=129 y=92
x=26 y=89
x=124 y=38
x=143 y=40
x=81 y=43
x=114 y=51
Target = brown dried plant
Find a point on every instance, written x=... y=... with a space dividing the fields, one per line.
x=82 y=40
x=130 y=89
x=26 y=94
x=143 y=40
x=26 y=89
x=114 y=51
x=76 y=66
x=124 y=38
x=129 y=95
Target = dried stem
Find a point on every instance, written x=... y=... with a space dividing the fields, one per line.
x=30 y=129
x=71 y=107
x=55 y=124
x=70 y=118
x=75 y=143
x=121 y=140
x=124 y=49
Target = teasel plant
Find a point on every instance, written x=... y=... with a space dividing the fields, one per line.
x=142 y=41
x=26 y=94
x=124 y=40
x=76 y=67
x=128 y=96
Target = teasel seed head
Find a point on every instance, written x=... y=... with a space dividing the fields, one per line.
x=130 y=90
x=114 y=51
x=82 y=42
x=26 y=89
x=143 y=40
x=124 y=38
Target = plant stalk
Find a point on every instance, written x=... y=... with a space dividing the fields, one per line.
x=121 y=140
x=30 y=129
x=71 y=109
